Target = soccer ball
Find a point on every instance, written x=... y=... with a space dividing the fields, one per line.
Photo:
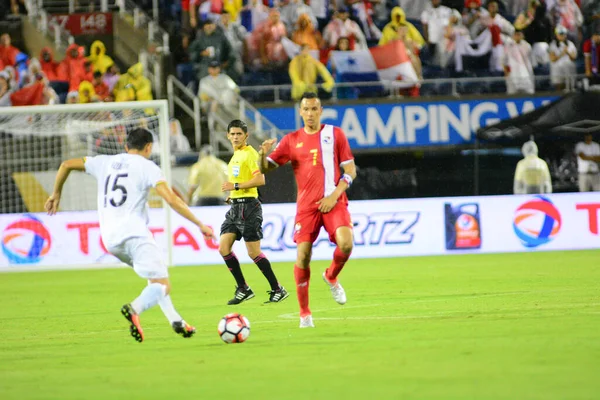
x=234 y=328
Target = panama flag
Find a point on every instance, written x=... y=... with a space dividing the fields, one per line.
x=389 y=62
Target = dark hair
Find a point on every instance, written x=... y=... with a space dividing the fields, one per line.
x=237 y=123
x=138 y=138
x=97 y=74
x=309 y=95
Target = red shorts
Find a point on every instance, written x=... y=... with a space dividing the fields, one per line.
x=309 y=223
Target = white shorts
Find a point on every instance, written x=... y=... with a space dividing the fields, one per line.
x=143 y=255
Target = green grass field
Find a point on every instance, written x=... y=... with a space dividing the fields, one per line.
x=514 y=326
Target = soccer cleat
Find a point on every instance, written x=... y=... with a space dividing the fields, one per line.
x=134 y=320
x=184 y=329
x=241 y=294
x=275 y=296
x=337 y=291
x=306 y=322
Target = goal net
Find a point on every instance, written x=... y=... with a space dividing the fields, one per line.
x=33 y=143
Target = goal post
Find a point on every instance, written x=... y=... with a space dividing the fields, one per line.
x=34 y=140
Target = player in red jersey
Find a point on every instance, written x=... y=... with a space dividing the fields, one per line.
x=317 y=152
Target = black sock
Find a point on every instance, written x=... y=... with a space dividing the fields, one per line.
x=234 y=267
x=265 y=267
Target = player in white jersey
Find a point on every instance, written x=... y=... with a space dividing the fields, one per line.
x=124 y=181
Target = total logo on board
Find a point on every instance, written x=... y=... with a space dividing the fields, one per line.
x=537 y=222
x=26 y=241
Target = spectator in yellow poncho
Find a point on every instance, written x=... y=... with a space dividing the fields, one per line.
x=304 y=70
x=133 y=86
x=87 y=94
x=392 y=29
x=233 y=8
x=98 y=57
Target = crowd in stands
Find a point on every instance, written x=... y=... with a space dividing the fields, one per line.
x=270 y=42
x=77 y=78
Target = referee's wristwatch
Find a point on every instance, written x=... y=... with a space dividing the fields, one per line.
x=236 y=186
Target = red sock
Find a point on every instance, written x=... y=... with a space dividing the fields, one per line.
x=339 y=260
x=302 y=279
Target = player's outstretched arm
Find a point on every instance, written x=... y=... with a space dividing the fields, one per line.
x=177 y=204
x=74 y=164
x=263 y=163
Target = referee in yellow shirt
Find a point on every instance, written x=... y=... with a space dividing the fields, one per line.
x=244 y=218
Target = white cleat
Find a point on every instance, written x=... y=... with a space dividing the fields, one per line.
x=337 y=291
x=306 y=322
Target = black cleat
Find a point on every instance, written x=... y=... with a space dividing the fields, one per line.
x=275 y=296
x=134 y=322
x=184 y=329
x=241 y=294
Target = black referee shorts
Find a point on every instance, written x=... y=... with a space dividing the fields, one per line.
x=244 y=218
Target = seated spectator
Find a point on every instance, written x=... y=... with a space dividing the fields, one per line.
x=562 y=58
x=567 y=14
x=49 y=95
x=87 y=93
x=217 y=89
x=12 y=77
x=305 y=33
x=100 y=88
x=434 y=19
x=72 y=98
x=291 y=10
x=517 y=65
x=537 y=29
x=205 y=179
x=50 y=67
x=179 y=143
x=34 y=73
x=210 y=45
x=591 y=52
x=265 y=49
x=100 y=61
x=392 y=30
x=4 y=90
x=363 y=12
x=133 y=86
x=236 y=35
x=342 y=26
x=304 y=71
x=412 y=51
x=111 y=77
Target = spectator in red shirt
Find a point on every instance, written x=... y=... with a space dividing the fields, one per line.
x=50 y=67
x=72 y=66
x=101 y=88
x=8 y=52
x=591 y=52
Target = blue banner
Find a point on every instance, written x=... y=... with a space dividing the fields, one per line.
x=431 y=123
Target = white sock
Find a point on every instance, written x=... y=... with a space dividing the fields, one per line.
x=166 y=305
x=149 y=297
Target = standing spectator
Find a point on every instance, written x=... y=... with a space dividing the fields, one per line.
x=567 y=14
x=532 y=175
x=217 y=89
x=8 y=52
x=264 y=45
x=253 y=14
x=434 y=19
x=562 y=58
x=72 y=65
x=305 y=33
x=210 y=45
x=454 y=29
x=179 y=143
x=186 y=26
x=363 y=12
x=205 y=179
x=50 y=67
x=304 y=70
x=517 y=65
x=320 y=9
x=537 y=28
x=236 y=35
x=588 y=157
x=233 y=8
x=591 y=52
x=473 y=15
x=342 y=26
x=111 y=77
x=100 y=61
x=291 y=10
x=392 y=30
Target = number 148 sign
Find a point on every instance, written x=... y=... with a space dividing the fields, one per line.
x=84 y=23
